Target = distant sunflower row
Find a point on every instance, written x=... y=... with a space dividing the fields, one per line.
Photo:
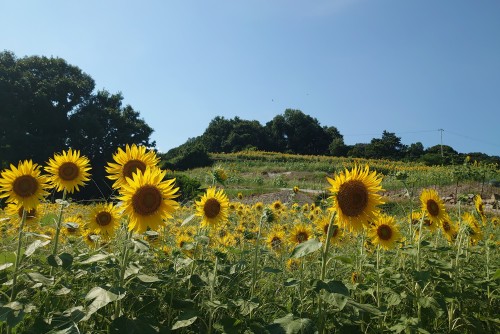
x=147 y=202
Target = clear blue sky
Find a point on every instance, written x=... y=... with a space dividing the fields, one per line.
x=364 y=66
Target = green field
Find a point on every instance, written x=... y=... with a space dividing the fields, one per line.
x=268 y=267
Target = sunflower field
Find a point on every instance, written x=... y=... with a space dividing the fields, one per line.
x=351 y=260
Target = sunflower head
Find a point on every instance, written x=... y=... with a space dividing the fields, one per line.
x=275 y=239
x=300 y=233
x=432 y=206
x=23 y=185
x=17 y=211
x=213 y=207
x=132 y=160
x=68 y=170
x=449 y=229
x=384 y=232
x=355 y=197
x=148 y=200
x=104 y=219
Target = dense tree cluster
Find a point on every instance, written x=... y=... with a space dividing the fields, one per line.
x=48 y=105
x=296 y=132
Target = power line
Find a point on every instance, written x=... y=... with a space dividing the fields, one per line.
x=474 y=139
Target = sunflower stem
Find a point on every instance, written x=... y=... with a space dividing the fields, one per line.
x=255 y=258
x=324 y=260
x=123 y=268
x=18 y=256
x=58 y=227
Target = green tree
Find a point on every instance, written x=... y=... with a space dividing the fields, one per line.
x=37 y=97
x=299 y=133
x=47 y=105
x=387 y=147
x=101 y=125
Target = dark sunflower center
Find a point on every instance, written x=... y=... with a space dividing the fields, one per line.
x=71 y=229
x=276 y=242
x=432 y=208
x=68 y=171
x=384 y=232
x=30 y=214
x=25 y=186
x=301 y=237
x=446 y=226
x=277 y=206
x=146 y=200
x=103 y=218
x=132 y=166
x=480 y=208
x=211 y=208
x=352 y=198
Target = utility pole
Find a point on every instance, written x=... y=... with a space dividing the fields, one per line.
x=442 y=155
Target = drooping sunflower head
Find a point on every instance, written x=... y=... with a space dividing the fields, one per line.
x=384 y=232
x=478 y=203
x=104 y=219
x=322 y=230
x=295 y=189
x=91 y=238
x=133 y=159
x=213 y=207
x=449 y=229
x=23 y=185
x=72 y=226
x=300 y=233
x=355 y=197
x=32 y=215
x=415 y=218
x=148 y=200
x=68 y=171
x=472 y=228
x=432 y=206
x=275 y=239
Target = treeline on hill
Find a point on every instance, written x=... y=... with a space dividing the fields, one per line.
x=48 y=105
x=298 y=133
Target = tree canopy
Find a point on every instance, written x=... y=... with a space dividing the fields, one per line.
x=48 y=105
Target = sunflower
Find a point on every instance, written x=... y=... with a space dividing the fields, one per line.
x=472 y=228
x=148 y=200
x=68 y=171
x=293 y=264
x=91 y=238
x=300 y=233
x=432 y=206
x=322 y=229
x=133 y=159
x=355 y=197
x=275 y=239
x=478 y=203
x=449 y=229
x=72 y=226
x=295 y=189
x=385 y=232
x=23 y=185
x=33 y=214
x=277 y=206
x=415 y=218
x=213 y=207
x=104 y=219
x=258 y=206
